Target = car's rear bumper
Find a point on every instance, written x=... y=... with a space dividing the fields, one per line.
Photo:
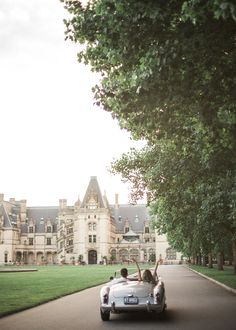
x=146 y=307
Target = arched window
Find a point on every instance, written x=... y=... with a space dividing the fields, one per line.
x=113 y=254
x=123 y=254
x=134 y=253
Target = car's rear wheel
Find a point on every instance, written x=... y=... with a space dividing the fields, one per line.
x=105 y=315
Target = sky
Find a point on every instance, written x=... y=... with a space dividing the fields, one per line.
x=52 y=136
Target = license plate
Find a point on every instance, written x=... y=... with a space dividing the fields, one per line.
x=131 y=300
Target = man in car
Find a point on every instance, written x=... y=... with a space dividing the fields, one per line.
x=123 y=277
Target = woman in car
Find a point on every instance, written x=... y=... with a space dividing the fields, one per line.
x=147 y=276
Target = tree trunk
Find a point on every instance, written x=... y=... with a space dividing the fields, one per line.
x=234 y=255
x=199 y=260
x=210 y=264
x=204 y=261
x=220 y=261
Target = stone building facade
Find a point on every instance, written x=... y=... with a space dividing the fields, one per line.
x=92 y=231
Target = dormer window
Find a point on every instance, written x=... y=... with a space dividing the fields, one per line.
x=92 y=204
x=49 y=229
x=31 y=229
x=146 y=230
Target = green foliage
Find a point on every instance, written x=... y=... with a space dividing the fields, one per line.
x=168 y=75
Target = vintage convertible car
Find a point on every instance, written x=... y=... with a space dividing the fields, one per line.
x=132 y=296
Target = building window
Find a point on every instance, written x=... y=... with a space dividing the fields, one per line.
x=49 y=229
x=92 y=226
x=61 y=245
x=126 y=229
x=31 y=229
x=88 y=216
x=146 y=230
x=31 y=241
x=95 y=216
x=92 y=239
x=49 y=241
x=146 y=240
x=70 y=241
x=170 y=254
x=69 y=230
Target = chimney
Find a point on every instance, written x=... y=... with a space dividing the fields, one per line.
x=23 y=205
x=63 y=203
x=116 y=201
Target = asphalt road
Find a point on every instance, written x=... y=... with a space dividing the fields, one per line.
x=193 y=303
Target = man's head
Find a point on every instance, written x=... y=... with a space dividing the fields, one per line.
x=124 y=272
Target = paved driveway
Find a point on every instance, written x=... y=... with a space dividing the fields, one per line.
x=194 y=303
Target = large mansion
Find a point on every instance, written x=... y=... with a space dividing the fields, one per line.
x=91 y=231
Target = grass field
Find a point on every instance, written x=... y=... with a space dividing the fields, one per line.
x=21 y=290
x=225 y=276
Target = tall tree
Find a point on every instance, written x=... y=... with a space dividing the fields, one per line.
x=168 y=76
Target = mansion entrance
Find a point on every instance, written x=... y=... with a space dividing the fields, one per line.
x=92 y=257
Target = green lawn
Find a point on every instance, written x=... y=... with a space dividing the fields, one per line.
x=20 y=291
x=225 y=276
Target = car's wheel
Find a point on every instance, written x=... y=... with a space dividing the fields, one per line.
x=105 y=315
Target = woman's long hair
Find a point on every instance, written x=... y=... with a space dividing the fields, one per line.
x=147 y=277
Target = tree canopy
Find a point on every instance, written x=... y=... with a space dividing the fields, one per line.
x=168 y=73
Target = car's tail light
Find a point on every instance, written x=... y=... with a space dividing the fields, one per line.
x=158 y=298
x=105 y=299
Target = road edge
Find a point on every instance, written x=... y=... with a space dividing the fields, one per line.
x=214 y=281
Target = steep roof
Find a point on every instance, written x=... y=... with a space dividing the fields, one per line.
x=40 y=215
x=136 y=215
x=93 y=195
x=3 y=213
